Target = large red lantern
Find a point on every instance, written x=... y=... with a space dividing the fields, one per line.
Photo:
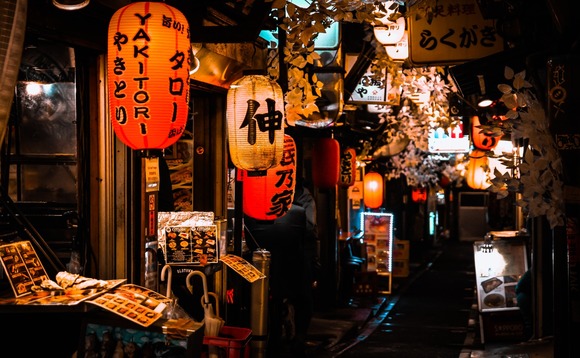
x=476 y=172
x=346 y=177
x=325 y=163
x=255 y=117
x=419 y=194
x=481 y=140
x=270 y=196
x=149 y=51
x=373 y=190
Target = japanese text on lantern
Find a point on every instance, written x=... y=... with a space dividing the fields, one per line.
x=139 y=45
x=283 y=197
x=270 y=122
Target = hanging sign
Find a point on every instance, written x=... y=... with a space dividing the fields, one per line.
x=347 y=168
x=373 y=90
x=455 y=32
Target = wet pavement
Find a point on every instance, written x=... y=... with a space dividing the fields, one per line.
x=432 y=313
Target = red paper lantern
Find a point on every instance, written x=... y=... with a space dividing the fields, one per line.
x=347 y=168
x=325 y=163
x=481 y=140
x=419 y=194
x=268 y=197
x=373 y=190
x=149 y=54
x=255 y=117
x=476 y=172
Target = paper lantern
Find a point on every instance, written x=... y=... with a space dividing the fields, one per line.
x=255 y=116
x=476 y=172
x=270 y=196
x=373 y=190
x=346 y=177
x=481 y=140
x=148 y=74
x=325 y=163
x=419 y=194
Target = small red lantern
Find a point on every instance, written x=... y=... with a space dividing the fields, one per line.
x=325 y=163
x=149 y=51
x=347 y=168
x=373 y=190
x=481 y=140
x=270 y=196
x=255 y=117
x=476 y=172
x=419 y=194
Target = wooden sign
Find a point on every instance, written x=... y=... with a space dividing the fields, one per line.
x=454 y=31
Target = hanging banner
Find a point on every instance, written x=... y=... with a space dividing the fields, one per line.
x=453 y=31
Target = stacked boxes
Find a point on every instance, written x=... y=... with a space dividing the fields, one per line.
x=401 y=250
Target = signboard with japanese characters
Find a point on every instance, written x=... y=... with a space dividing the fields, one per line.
x=453 y=31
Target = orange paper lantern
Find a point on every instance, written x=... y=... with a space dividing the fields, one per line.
x=325 y=163
x=373 y=190
x=255 y=117
x=476 y=173
x=149 y=54
x=347 y=168
x=268 y=197
x=481 y=140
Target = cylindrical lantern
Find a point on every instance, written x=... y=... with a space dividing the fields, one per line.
x=255 y=117
x=419 y=194
x=476 y=173
x=325 y=163
x=481 y=140
x=270 y=196
x=148 y=74
x=347 y=168
x=373 y=190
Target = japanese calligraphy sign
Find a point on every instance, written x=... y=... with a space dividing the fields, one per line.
x=372 y=89
x=347 y=167
x=255 y=117
x=268 y=197
x=148 y=74
x=457 y=33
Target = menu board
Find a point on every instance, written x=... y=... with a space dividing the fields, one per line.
x=378 y=239
x=498 y=268
x=22 y=266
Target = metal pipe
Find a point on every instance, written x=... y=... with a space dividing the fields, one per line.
x=259 y=305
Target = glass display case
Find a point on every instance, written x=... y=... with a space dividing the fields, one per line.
x=378 y=240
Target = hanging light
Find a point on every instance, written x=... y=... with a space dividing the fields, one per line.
x=255 y=118
x=325 y=163
x=476 y=173
x=346 y=177
x=70 y=4
x=270 y=196
x=373 y=190
x=148 y=74
x=389 y=32
x=400 y=50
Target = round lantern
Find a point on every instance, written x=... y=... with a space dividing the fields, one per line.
x=476 y=173
x=481 y=140
x=148 y=74
x=419 y=194
x=347 y=168
x=255 y=117
x=373 y=190
x=270 y=196
x=325 y=163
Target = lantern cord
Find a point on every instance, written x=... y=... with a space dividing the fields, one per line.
x=247 y=230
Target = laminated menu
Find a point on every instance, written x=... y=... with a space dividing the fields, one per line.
x=22 y=266
x=133 y=302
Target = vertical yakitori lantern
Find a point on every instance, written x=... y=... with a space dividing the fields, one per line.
x=268 y=197
x=476 y=172
x=480 y=139
x=373 y=190
x=419 y=194
x=347 y=173
x=255 y=118
x=325 y=163
x=148 y=74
